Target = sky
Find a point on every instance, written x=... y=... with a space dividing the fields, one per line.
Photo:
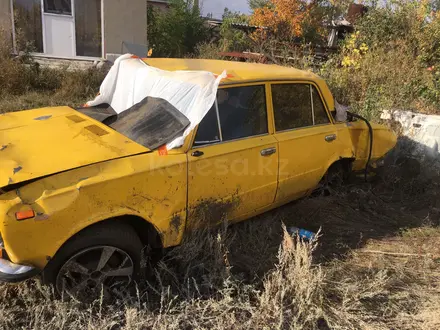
x=216 y=7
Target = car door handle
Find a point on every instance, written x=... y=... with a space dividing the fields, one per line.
x=197 y=153
x=268 y=151
x=330 y=138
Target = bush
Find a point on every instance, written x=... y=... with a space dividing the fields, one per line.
x=390 y=62
x=177 y=31
x=209 y=51
x=27 y=86
x=232 y=39
x=24 y=84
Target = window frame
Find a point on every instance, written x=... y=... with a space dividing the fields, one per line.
x=269 y=116
x=324 y=104
x=52 y=12
x=311 y=85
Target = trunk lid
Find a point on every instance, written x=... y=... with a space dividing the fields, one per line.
x=37 y=143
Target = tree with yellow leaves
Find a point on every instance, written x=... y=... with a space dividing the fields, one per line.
x=283 y=17
x=290 y=19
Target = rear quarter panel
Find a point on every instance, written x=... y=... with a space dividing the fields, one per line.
x=384 y=139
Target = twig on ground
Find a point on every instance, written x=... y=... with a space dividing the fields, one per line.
x=399 y=254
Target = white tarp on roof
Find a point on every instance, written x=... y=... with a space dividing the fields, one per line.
x=130 y=80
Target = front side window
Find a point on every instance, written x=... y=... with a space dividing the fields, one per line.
x=242 y=112
x=63 y=7
x=297 y=106
x=208 y=131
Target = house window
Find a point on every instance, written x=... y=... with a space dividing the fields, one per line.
x=28 y=25
x=62 y=7
x=242 y=112
x=88 y=33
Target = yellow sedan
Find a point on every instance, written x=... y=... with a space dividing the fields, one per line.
x=80 y=198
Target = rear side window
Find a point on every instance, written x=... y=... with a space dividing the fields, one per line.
x=319 y=111
x=292 y=106
x=242 y=112
x=297 y=106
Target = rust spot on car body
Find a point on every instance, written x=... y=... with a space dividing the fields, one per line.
x=3 y=147
x=41 y=217
x=211 y=212
x=43 y=117
x=176 y=222
x=17 y=169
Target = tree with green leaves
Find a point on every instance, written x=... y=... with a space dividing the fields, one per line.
x=255 y=4
x=177 y=31
x=233 y=39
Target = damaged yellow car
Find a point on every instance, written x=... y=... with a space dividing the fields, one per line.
x=81 y=195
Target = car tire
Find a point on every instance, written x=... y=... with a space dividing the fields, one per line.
x=82 y=268
x=337 y=175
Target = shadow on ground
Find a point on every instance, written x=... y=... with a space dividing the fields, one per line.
x=402 y=196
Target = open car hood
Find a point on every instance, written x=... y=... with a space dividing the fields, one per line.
x=41 y=142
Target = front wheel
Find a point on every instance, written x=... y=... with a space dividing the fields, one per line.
x=100 y=262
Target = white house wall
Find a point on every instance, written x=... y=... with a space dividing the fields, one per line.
x=123 y=21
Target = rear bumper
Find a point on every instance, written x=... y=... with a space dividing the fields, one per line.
x=13 y=273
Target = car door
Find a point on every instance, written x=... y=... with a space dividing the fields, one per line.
x=233 y=163
x=307 y=139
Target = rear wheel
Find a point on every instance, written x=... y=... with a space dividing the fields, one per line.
x=100 y=262
x=338 y=174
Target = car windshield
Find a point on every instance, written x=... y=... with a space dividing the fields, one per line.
x=153 y=122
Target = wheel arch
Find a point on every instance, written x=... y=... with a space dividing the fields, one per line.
x=344 y=163
x=147 y=232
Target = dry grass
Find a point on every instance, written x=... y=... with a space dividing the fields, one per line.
x=35 y=89
x=24 y=84
x=253 y=275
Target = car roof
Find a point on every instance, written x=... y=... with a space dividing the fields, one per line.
x=237 y=71
x=241 y=72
